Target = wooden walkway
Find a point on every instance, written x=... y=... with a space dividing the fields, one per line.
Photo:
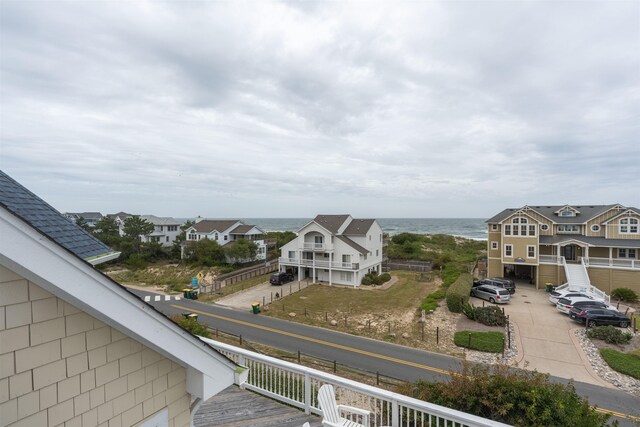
x=234 y=407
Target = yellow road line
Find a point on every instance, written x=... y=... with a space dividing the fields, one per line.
x=355 y=350
x=317 y=341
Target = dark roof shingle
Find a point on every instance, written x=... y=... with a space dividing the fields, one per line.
x=331 y=222
x=47 y=220
x=209 y=225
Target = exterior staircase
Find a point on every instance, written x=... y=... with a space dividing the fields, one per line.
x=578 y=280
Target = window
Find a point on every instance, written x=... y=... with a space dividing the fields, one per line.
x=507 y=230
x=532 y=230
x=494 y=227
x=508 y=250
x=226 y=237
x=544 y=227
x=172 y=228
x=515 y=230
x=494 y=245
x=627 y=253
x=531 y=251
x=629 y=226
x=516 y=220
x=292 y=254
x=215 y=236
x=567 y=213
x=318 y=239
x=523 y=230
x=595 y=228
x=193 y=236
x=567 y=228
x=167 y=239
x=377 y=252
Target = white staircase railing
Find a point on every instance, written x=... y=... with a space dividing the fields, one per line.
x=578 y=280
x=298 y=386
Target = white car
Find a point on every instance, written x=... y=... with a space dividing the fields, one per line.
x=566 y=304
x=556 y=295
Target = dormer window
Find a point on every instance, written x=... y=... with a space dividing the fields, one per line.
x=628 y=226
x=567 y=211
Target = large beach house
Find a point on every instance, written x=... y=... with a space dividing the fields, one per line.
x=582 y=245
x=336 y=249
x=226 y=232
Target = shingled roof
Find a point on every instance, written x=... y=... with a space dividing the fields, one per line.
x=331 y=222
x=209 y=225
x=358 y=227
x=48 y=221
x=587 y=212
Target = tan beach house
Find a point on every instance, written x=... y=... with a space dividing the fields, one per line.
x=583 y=245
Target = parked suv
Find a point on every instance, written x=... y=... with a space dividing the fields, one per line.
x=500 y=283
x=493 y=294
x=600 y=316
x=280 y=278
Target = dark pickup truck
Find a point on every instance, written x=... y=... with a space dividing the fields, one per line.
x=496 y=281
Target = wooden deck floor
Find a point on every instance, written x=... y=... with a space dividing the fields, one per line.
x=234 y=407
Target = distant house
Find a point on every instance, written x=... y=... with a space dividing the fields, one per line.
x=91 y=218
x=225 y=232
x=582 y=245
x=76 y=348
x=120 y=218
x=334 y=249
x=165 y=232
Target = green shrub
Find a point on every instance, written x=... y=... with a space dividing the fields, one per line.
x=469 y=310
x=609 y=334
x=192 y=326
x=458 y=293
x=628 y=364
x=624 y=294
x=512 y=396
x=366 y=280
x=491 y=316
x=385 y=277
x=492 y=342
x=136 y=261
x=430 y=302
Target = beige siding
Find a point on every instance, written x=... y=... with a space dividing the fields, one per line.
x=494 y=268
x=519 y=249
x=550 y=274
x=61 y=367
x=613 y=229
x=608 y=279
x=494 y=236
x=599 y=220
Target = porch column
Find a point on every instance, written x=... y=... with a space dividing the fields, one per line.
x=313 y=278
x=586 y=252
x=610 y=255
x=330 y=264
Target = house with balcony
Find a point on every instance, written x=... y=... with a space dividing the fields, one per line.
x=226 y=232
x=165 y=229
x=584 y=246
x=120 y=218
x=336 y=249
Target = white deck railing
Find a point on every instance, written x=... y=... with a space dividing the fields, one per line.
x=298 y=386
x=612 y=262
x=549 y=259
x=318 y=263
x=314 y=246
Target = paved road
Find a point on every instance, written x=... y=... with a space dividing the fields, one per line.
x=374 y=356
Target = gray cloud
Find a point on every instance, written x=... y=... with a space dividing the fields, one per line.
x=289 y=109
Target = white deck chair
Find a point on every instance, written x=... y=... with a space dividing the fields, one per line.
x=331 y=411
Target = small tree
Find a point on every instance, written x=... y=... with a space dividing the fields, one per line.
x=176 y=249
x=82 y=223
x=241 y=251
x=106 y=230
x=134 y=227
x=204 y=252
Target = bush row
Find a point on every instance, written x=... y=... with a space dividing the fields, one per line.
x=609 y=334
x=458 y=293
x=375 y=279
x=491 y=315
x=624 y=294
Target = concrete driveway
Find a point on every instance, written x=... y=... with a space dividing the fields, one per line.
x=263 y=293
x=545 y=337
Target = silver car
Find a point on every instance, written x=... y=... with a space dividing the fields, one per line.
x=492 y=294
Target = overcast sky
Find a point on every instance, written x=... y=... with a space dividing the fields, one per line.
x=289 y=109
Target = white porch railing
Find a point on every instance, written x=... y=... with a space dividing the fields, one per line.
x=314 y=246
x=549 y=259
x=298 y=386
x=318 y=263
x=612 y=262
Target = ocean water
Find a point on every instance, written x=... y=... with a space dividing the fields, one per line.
x=471 y=228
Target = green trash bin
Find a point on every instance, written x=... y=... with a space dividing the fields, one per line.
x=255 y=307
x=186 y=292
x=549 y=287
